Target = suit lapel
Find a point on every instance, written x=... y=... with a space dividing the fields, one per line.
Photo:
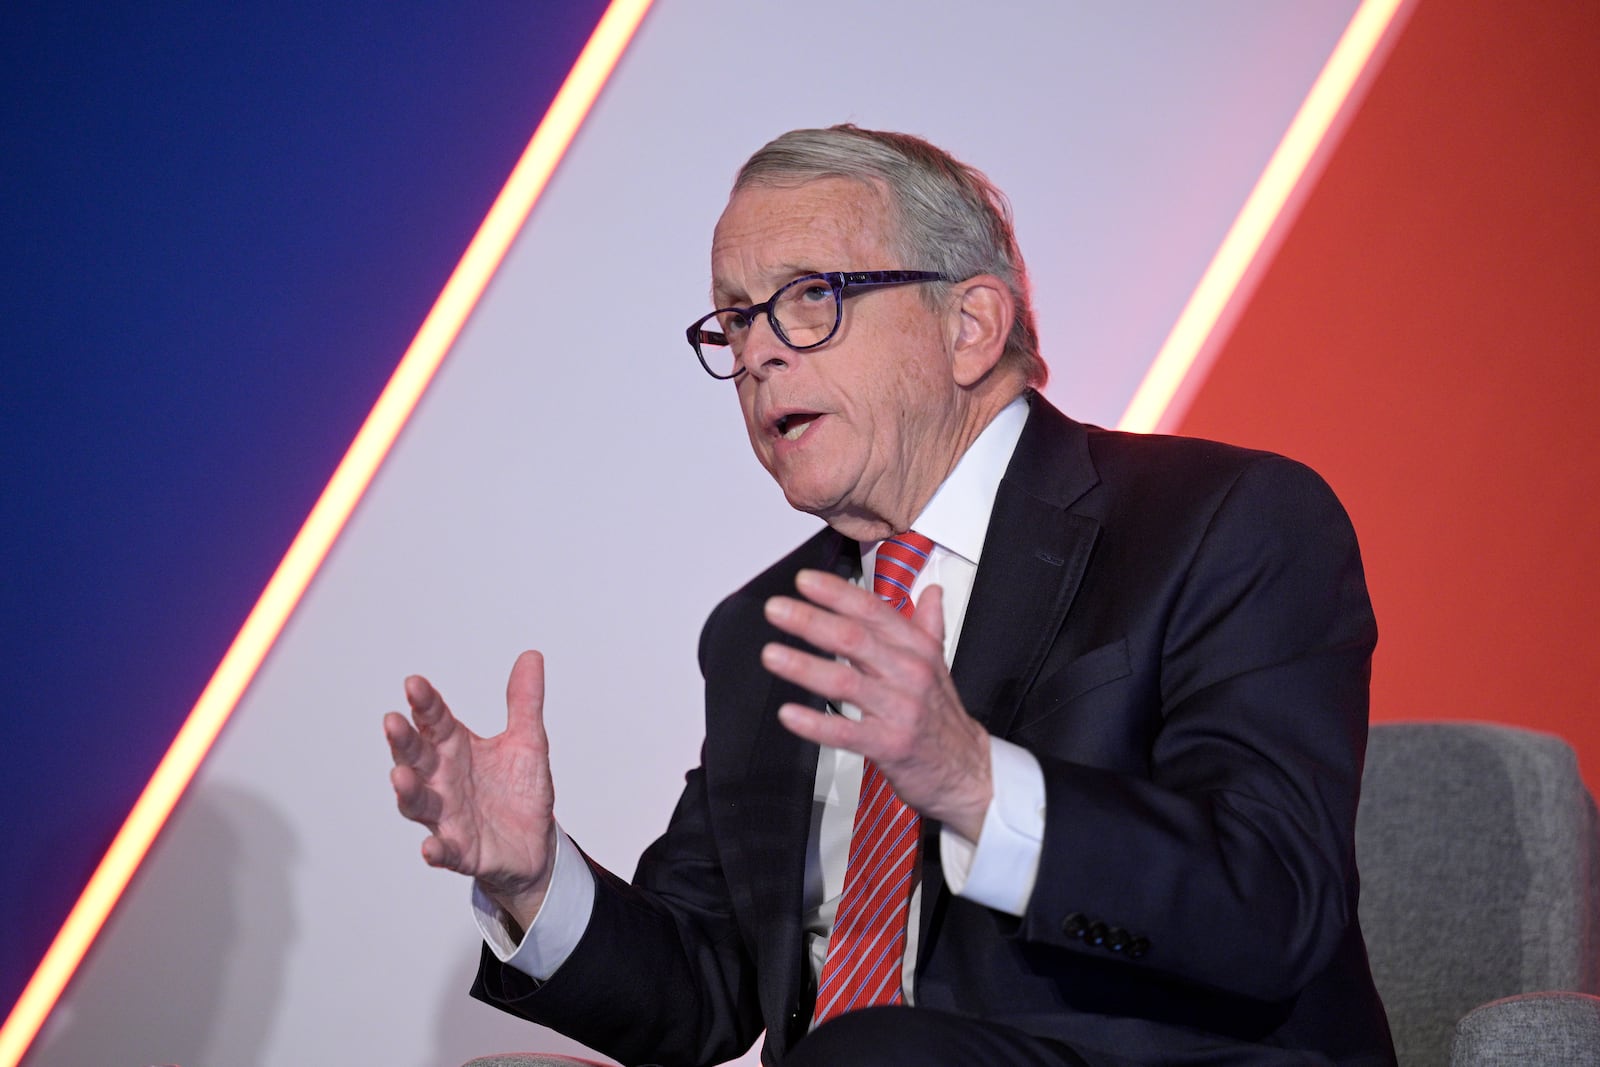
x=786 y=766
x=1019 y=604
x=1034 y=558
x=1033 y=562
x=778 y=817
x=777 y=803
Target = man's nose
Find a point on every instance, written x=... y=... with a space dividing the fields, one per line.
x=763 y=352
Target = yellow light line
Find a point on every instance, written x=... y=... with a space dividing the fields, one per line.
x=1179 y=368
x=311 y=546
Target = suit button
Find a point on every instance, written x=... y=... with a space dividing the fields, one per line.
x=1138 y=947
x=1117 y=939
x=1096 y=934
x=1074 y=925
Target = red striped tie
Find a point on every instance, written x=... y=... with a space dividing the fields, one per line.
x=868 y=943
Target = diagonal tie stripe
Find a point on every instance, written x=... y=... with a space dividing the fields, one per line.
x=867 y=945
x=899 y=561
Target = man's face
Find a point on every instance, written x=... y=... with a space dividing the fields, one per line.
x=863 y=429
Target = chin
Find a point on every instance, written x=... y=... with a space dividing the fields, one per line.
x=809 y=500
x=807 y=504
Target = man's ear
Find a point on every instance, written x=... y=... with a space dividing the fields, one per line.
x=981 y=310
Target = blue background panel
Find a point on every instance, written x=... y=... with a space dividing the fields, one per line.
x=222 y=225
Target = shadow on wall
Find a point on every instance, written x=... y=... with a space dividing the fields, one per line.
x=190 y=969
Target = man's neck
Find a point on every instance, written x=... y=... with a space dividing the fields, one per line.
x=865 y=527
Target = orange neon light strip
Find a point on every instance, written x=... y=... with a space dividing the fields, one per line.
x=1180 y=367
x=310 y=547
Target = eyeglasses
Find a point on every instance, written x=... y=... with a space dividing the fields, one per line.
x=803 y=314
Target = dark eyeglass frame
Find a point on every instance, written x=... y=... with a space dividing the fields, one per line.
x=842 y=282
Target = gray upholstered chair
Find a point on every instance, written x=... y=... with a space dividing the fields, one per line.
x=1480 y=898
x=1480 y=895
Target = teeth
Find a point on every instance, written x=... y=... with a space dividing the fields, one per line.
x=790 y=427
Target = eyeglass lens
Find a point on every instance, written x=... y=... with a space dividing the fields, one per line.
x=805 y=313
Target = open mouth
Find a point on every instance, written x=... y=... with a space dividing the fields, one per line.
x=790 y=427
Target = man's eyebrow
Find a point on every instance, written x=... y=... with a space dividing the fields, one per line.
x=783 y=273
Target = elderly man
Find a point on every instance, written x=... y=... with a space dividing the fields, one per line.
x=1044 y=751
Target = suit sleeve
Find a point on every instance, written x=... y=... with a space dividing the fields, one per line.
x=1226 y=859
x=660 y=973
x=676 y=967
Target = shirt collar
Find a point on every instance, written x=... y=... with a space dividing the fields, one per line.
x=957 y=518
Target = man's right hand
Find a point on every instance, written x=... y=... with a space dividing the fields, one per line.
x=487 y=802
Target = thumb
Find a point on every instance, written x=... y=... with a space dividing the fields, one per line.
x=525 y=696
x=929 y=613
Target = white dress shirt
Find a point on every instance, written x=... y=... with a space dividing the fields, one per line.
x=998 y=871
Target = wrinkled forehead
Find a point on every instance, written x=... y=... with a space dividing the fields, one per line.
x=830 y=203
x=770 y=229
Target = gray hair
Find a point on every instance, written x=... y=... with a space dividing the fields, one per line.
x=951 y=218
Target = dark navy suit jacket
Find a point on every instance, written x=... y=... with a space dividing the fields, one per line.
x=1180 y=631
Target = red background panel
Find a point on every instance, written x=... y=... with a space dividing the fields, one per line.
x=1427 y=338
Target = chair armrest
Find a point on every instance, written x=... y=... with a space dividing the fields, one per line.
x=1549 y=1029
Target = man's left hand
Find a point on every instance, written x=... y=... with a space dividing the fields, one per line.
x=892 y=668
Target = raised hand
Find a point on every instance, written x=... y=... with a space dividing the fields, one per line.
x=487 y=801
x=912 y=723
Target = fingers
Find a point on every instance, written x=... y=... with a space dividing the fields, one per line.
x=868 y=655
x=894 y=705
x=843 y=619
x=436 y=853
x=832 y=731
x=415 y=750
x=417 y=746
x=872 y=656
x=405 y=747
x=854 y=682
x=841 y=596
x=413 y=797
x=428 y=710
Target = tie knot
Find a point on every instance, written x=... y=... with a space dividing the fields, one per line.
x=899 y=561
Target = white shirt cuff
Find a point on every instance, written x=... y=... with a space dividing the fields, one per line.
x=1000 y=870
x=555 y=931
